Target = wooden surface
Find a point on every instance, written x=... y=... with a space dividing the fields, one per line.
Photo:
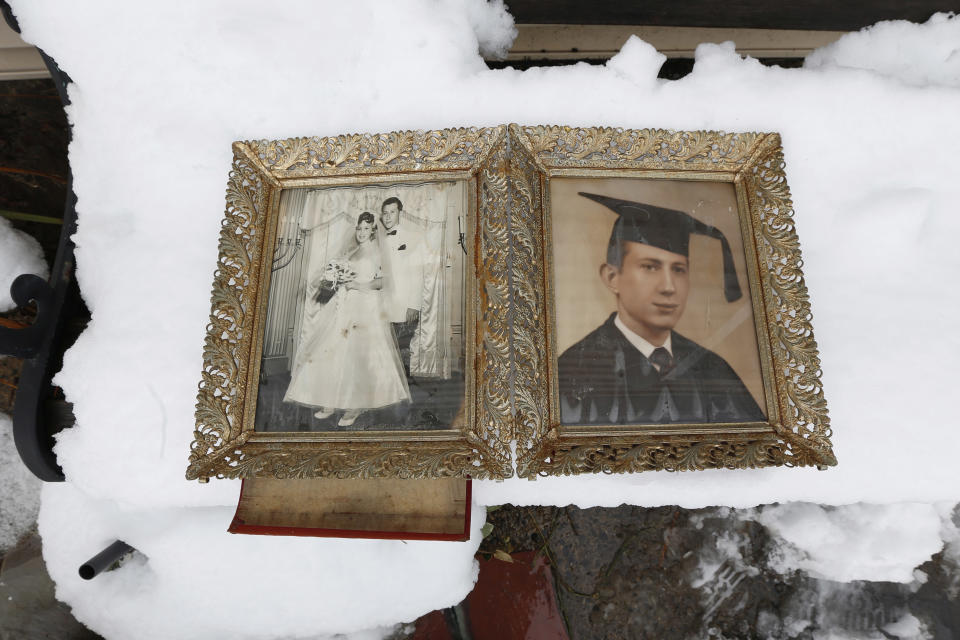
x=759 y=14
x=19 y=60
x=383 y=508
x=598 y=42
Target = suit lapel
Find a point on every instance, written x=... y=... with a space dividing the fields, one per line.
x=685 y=355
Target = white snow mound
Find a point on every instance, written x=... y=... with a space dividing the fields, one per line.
x=19 y=254
x=917 y=54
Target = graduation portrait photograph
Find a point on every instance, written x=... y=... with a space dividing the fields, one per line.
x=364 y=322
x=661 y=321
x=654 y=319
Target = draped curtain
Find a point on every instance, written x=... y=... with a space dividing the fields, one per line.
x=288 y=253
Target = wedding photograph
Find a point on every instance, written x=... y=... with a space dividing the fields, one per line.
x=653 y=310
x=364 y=327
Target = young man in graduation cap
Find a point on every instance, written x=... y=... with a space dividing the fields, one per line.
x=634 y=368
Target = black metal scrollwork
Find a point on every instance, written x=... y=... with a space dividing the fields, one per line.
x=39 y=409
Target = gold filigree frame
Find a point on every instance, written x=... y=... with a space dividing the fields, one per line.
x=225 y=443
x=798 y=430
x=511 y=390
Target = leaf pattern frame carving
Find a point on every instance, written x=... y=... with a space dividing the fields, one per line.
x=225 y=444
x=798 y=430
x=512 y=396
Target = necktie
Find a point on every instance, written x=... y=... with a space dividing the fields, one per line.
x=662 y=358
x=392 y=233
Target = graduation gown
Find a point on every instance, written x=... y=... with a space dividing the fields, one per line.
x=604 y=379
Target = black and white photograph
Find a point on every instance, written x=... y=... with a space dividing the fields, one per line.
x=653 y=309
x=364 y=327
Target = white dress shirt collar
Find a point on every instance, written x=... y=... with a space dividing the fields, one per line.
x=639 y=342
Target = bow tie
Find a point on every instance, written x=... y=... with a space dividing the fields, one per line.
x=392 y=233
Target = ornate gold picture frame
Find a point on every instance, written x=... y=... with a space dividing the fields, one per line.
x=538 y=212
x=270 y=190
x=575 y=409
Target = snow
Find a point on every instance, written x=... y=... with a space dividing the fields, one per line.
x=855 y=542
x=19 y=254
x=916 y=54
x=637 y=62
x=159 y=95
x=908 y=628
x=20 y=497
x=257 y=586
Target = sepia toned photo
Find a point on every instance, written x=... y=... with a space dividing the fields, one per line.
x=654 y=317
x=364 y=322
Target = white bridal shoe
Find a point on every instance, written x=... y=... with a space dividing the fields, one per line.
x=349 y=418
x=323 y=413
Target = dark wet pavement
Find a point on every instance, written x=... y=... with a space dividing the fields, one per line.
x=28 y=608
x=635 y=573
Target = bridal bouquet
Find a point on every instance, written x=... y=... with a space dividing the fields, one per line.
x=336 y=273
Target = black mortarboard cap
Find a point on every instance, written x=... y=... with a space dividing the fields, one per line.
x=667 y=229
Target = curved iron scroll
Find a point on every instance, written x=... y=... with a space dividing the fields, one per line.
x=42 y=344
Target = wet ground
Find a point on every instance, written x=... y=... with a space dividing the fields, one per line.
x=622 y=573
x=636 y=573
x=28 y=609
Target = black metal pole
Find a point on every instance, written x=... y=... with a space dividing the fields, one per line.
x=103 y=560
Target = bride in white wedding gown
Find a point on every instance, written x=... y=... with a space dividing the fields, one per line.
x=349 y=359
